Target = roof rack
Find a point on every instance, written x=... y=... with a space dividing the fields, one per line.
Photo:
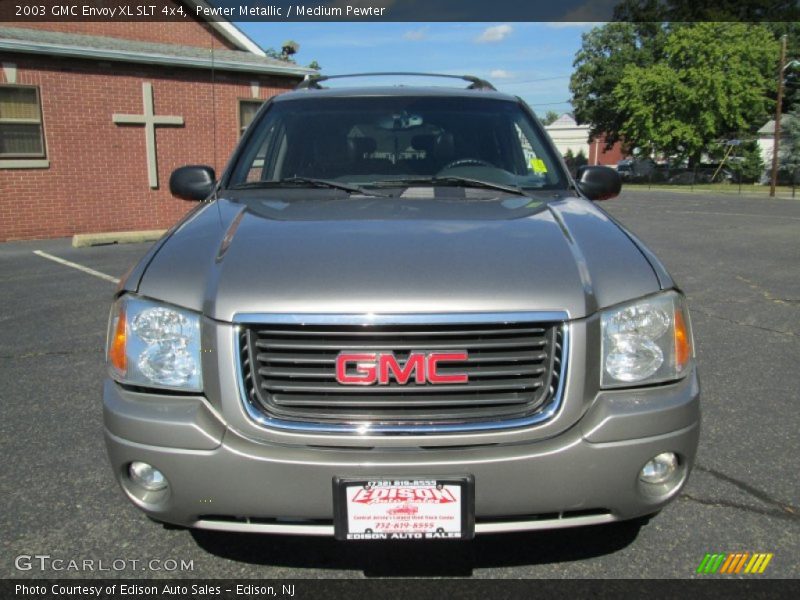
x=312 y=82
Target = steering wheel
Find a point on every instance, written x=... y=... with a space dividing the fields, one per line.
x=463 y=162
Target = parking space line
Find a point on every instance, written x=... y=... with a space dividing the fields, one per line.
x=76 y=266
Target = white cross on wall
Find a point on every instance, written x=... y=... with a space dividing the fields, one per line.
x=149 y=120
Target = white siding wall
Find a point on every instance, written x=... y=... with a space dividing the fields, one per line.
x=568 y=135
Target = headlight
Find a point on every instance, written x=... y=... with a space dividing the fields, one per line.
x=154 y=345
x=646 y=341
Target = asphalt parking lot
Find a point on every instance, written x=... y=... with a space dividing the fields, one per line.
x=738 y=260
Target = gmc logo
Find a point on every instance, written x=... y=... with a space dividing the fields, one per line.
x=375 y=367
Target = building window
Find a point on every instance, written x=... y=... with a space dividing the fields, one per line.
x=247 y=112
x=21 y=132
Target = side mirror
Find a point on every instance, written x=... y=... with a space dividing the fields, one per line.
x=194 y=182
x=599 y=183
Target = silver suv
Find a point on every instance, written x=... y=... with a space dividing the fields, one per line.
x=396 y=316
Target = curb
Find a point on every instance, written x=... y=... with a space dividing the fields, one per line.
x=82 y=240
x=744 y=194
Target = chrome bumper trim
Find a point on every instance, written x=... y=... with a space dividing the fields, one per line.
x=480 y=528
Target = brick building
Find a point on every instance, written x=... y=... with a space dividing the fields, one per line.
x=600 y=155
x=94 y=116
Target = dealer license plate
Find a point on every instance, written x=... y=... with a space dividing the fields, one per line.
x=404 y=509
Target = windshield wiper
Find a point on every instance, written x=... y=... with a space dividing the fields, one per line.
x=305 y=182
x=451 y=180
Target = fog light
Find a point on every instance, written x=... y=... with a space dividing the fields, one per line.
x=147 y=476
x=660 y=469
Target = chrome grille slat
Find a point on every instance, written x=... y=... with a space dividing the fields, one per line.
x=513 y=371
x=398 y=402
x=330 y=357
x=297 y=344
x=382 y=414
x=364 y=332
x=395 y=388
x=474 y=372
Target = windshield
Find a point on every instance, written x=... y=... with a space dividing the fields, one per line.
x=398 y=140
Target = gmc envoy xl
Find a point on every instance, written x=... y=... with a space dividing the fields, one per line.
x=396 y=315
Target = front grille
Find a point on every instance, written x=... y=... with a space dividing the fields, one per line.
x=289 y=373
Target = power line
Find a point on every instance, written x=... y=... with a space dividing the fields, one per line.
x=550 y=103
x=537 y=80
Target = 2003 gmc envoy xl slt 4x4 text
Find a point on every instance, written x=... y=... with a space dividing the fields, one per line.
x=397 y=316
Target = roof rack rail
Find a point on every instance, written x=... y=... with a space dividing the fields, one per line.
x=312 y=82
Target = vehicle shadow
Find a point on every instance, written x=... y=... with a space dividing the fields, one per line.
x=421 y=559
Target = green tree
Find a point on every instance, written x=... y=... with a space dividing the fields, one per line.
x=747 y=162
x=791 y=93
x=272 y=53
x=599 y=66
x=569 y=160
x=580 y=159
x=314 y=65
x=789 y=153
x=549 y=117
x=779 y=16
x=712 y=82
x=289 y=48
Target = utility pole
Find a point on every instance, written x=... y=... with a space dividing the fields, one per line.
x=778 y=109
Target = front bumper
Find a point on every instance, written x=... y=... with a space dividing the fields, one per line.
x=220 y=479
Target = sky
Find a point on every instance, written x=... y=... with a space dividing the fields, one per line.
x=531 y=60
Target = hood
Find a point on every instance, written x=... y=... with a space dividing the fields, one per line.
x=406 y=255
